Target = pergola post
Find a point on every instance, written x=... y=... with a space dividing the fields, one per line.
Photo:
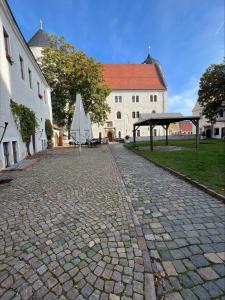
x=167 y=127
x=197 y=133
x=134 y=134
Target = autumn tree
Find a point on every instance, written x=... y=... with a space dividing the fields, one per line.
x=211 y=94
x=68 y=72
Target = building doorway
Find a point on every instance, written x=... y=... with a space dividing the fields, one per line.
x=110 y=136
x=208 y=133
x=14 y=146
x=6 y=154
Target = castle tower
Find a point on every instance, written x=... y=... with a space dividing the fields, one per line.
x=38 y=42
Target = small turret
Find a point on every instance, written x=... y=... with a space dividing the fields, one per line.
x=38 y=41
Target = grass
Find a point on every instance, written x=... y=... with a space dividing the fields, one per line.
x=205 y=165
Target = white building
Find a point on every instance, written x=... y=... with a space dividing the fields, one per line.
x=217 y=130
x=22 y=81
x=136 y=89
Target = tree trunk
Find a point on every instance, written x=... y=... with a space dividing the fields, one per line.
x=28 y=148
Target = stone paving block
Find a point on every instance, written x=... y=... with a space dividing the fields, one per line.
x=187 y=294
x=212 y=257
x=207 y=273
x=169 y=268
x=213 y=289
x=201 y=293
x=173 y=296
x=199 y=261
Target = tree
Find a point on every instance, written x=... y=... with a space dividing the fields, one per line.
x=211 y=94
x=68 y=72
x=48 y=129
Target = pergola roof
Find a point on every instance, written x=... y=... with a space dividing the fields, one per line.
x=163 y=119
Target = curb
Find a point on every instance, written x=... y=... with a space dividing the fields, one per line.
x=185 y=178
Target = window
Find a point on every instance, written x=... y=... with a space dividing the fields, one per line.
x=118 y=115
x=135 y=98
x=153 y=98
x=153 y=112
x=138 y=132
x=21 y=68
x=30 y=78
x=216 y=131
x=109 y=124
x=221 y=113
x=118 y=99
x=119 y=134
x=137 y=114
x=133 y=114
x=7 y=46
x=38 y=86
x=155 y=132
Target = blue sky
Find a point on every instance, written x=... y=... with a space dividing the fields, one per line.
x=186 y=36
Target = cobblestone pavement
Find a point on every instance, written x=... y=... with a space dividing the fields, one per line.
x=68 y=231
x=183 y=227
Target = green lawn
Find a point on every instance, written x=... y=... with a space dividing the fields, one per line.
x=205 y=165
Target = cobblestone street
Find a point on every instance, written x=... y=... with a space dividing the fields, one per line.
x=99 y=224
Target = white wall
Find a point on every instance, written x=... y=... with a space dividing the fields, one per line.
x=125 y=124
x=204 y=124
x=12 y=86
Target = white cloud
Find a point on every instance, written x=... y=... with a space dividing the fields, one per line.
x=183 y=102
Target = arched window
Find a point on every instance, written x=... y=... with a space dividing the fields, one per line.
x=119 y=134
x=153 y=112
x=155 y=98
x=118 y=115
x=151 y=98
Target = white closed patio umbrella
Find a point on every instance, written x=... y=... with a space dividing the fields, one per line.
x=90 y=133
x=79 y=127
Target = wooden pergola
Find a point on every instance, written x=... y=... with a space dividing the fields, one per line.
x=165 y=120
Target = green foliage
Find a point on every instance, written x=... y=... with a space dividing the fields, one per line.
x=48 y=129
x=68 y=72
x=211 y=94
x=27 y=122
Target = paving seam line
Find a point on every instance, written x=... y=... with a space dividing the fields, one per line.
x=150 y=289
x=185 y=178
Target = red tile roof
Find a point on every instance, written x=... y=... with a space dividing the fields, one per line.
x=133 y=77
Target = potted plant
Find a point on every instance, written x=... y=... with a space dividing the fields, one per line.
x=127 y=139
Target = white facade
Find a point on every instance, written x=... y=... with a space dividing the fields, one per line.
x=22 y=81
x=217 y=130
x=127 y=105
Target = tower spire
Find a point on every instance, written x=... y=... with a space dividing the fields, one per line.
x=149 y=48
x=41 y=24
